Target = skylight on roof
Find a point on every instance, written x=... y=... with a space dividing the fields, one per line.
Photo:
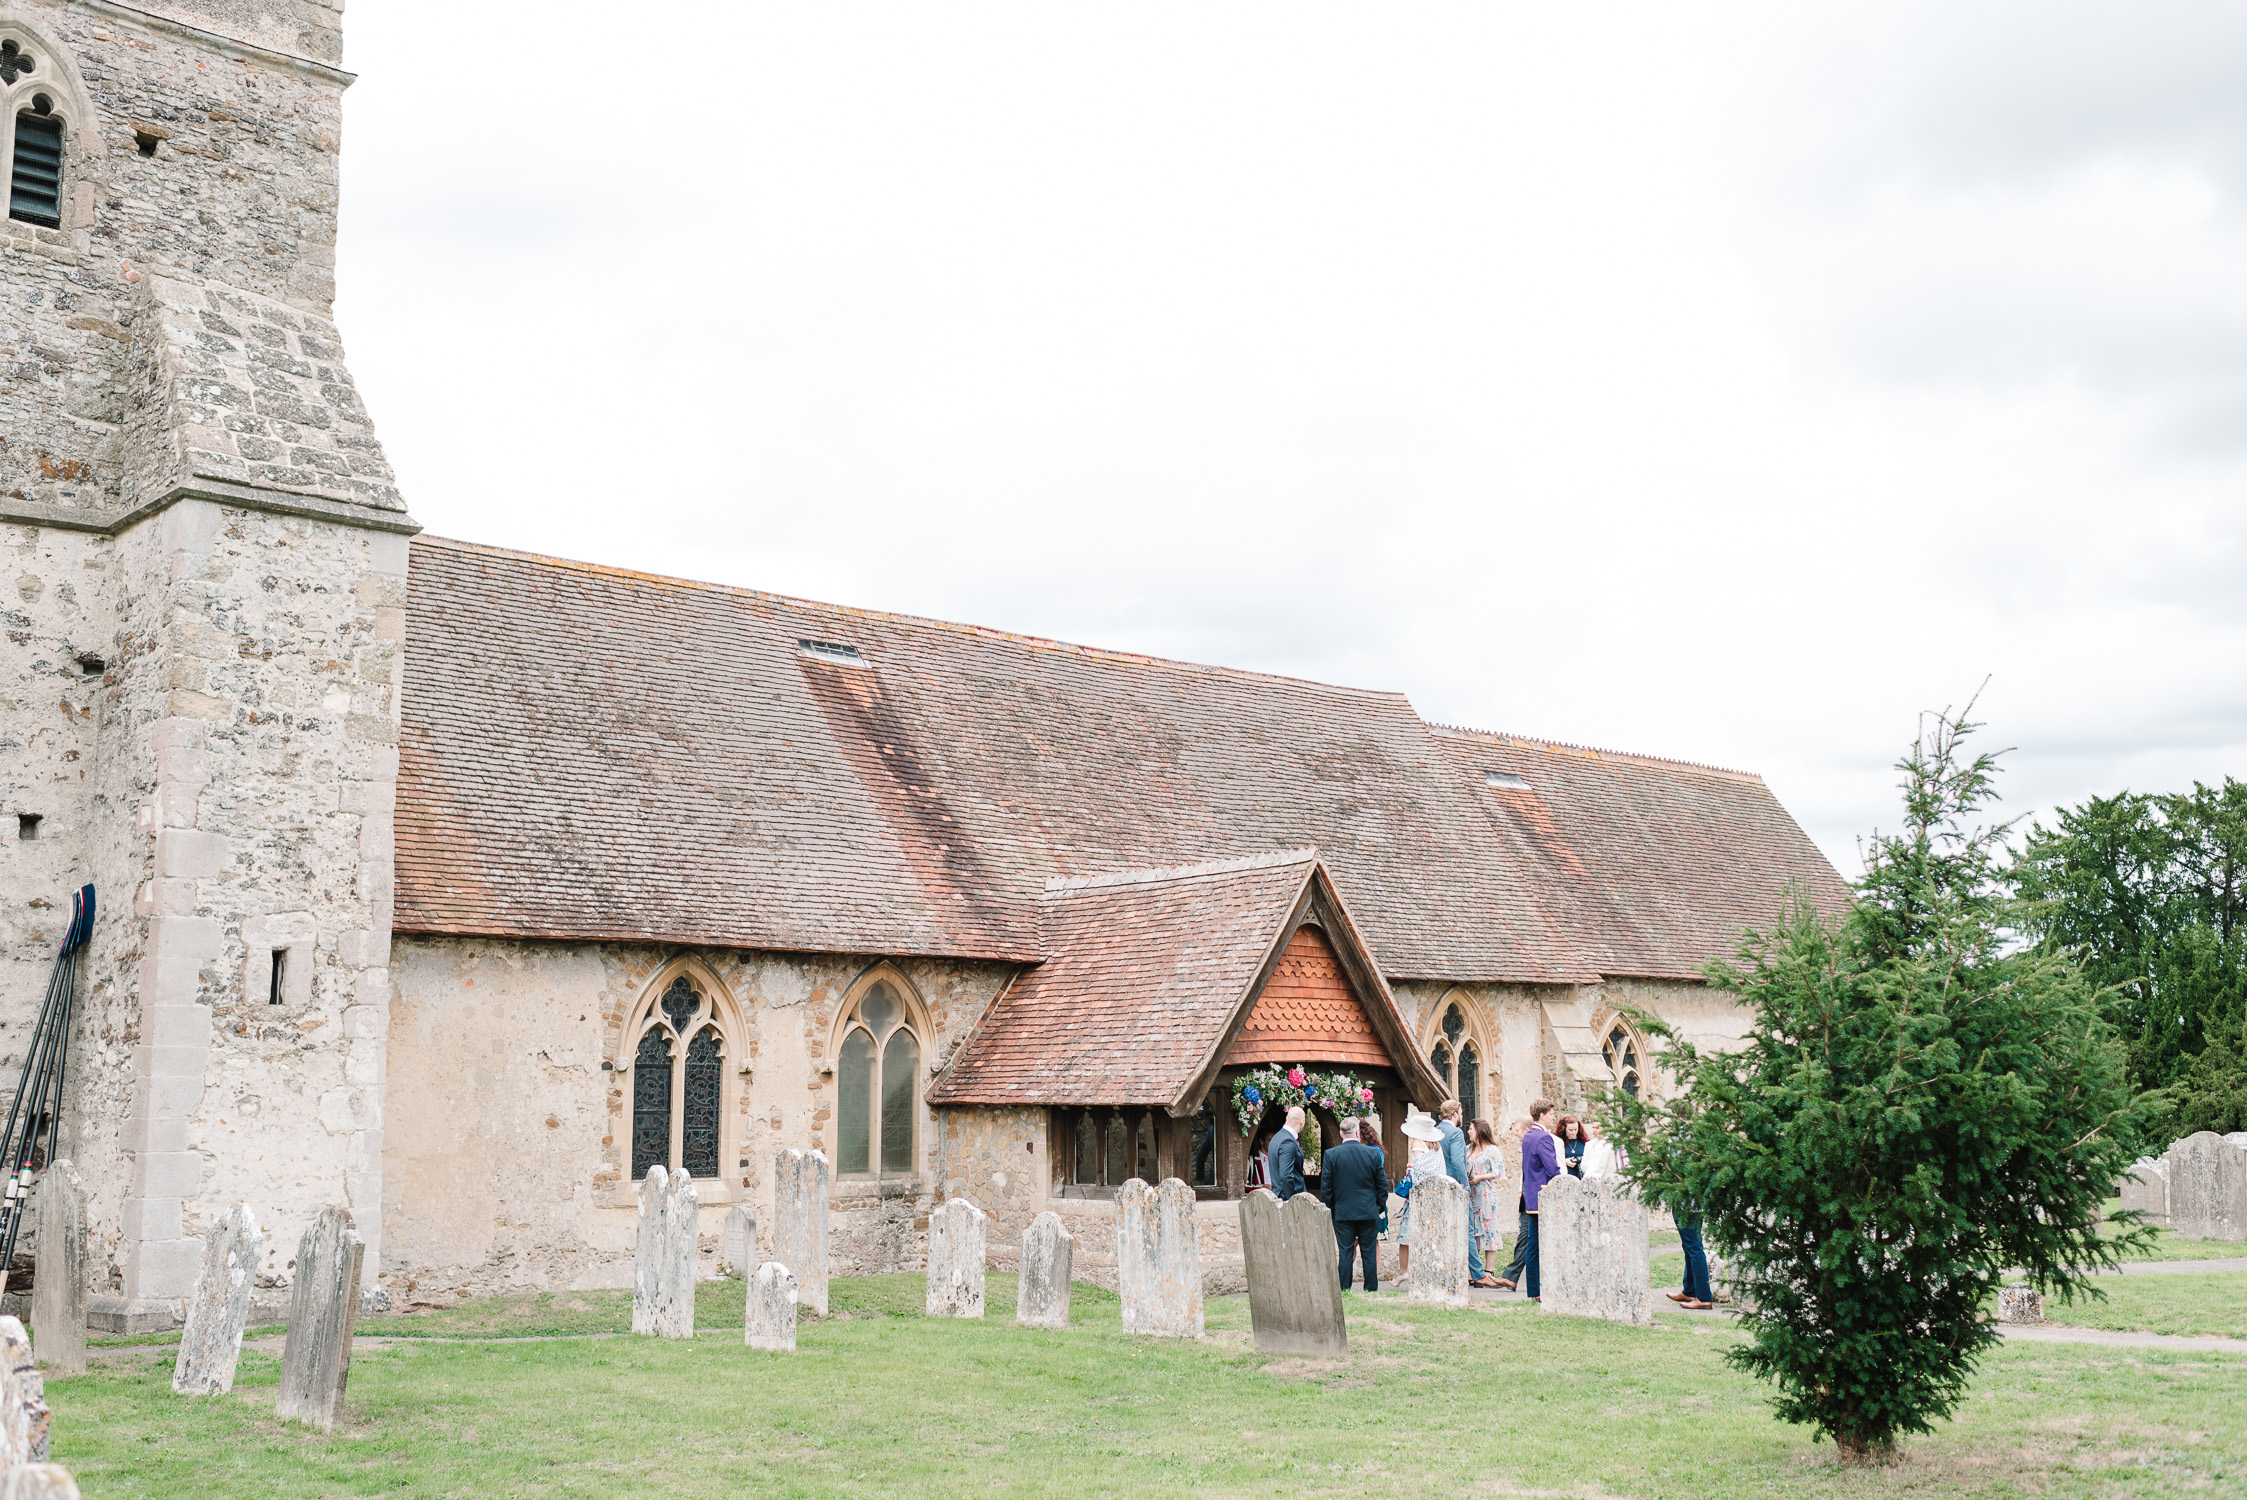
x=1506 y=779
x=834 y=651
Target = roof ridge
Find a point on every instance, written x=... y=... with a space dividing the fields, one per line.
x=957 y=627
x=1155 y=874
x=1592 y=751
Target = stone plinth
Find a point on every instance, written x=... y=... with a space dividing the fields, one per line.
x=1439 y=1243
x=1041 y=1296
x=323 y=1310
x=1294 y=1295
x=211 y=1344
x=23 y=1400
x=2020 y=1304
x=2207 y=1188
x=1158 y=1260
x=799 y=1223
x=737 y=1243
x=38 y=1482
x=58 y=1287
x=955 y=1260
x=2145 y=1189
x=771 y=1313
x=1591 y=1250
x=663 y=1256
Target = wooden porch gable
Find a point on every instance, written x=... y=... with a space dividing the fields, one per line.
x=1308 y=1013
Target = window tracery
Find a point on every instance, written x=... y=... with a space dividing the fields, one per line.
x=1456 y=1054
x=1621 y=1050
x=679 y=1087
x=877 y=1087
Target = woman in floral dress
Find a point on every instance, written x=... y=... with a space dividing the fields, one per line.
x=1486 y=1178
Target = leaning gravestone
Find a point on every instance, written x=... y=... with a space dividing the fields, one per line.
x=23 y=1400
x=772 y=1309
x=2144 y=1189
x=1041 y=1293
x=955 y=1260
x=1158 y=1262
x=799 y=1223
x=58 y=1284
x=737 y=1242
x=1294 y=1295
x=323 y=1310
x=211 y=1344
x=663 y=1256
x=1439 y=1243
x=2207 y=1188
x=38 y=1482
x=1591 y=1251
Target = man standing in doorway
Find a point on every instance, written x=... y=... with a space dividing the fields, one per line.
x=1540 y=1164
x=1455 y=1168
x=1284 y=1161
x=1354 y=1182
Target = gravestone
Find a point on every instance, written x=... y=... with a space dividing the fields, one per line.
x=211 y=1344
x=1158 y=1261
x=799 y=1223
x=955 y=1260
x=1439 y=1243
x=663 y=1256
x=1591 y=1251
x=2020 y=1304
x=1041 y=1294
x=23 y=1400
x=2207 y=1188
x=38 y=1482
x=1294 y=1293
x=58 y=1285
x=772 y=1309
x=737 y=1243
x=323 y=1310
x=2145 y=1189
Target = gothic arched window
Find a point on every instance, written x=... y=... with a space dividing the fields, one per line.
x=679 y=1085
x=1622 y=1059
x=877 y=1088
x=1458 y=1061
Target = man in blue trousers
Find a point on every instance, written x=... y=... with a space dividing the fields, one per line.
x=1540 y=1164
x=1696 y=1294
x=1354 y=1181
x=1455 y=1168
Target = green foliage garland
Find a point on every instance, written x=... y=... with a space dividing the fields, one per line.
x=1340 y=1092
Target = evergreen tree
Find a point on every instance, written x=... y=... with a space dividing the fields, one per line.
x=1919 y=1104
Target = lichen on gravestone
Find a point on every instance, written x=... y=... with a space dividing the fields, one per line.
x=38 y=1482
x=1592 y=1251
x=2020 y=1304
x=323 y=1311
x=2207 y=1188
x=663 y=1256
x=799 y=1223
x=771 y=1314
x=1294 y=1291
x=1158 y=1260
x=24 y=1417
x=956 y=1256
x=1041 y=1296
x=1439 y=1243
x=737 y=1242
x=210 y=1345
x=58 y=1287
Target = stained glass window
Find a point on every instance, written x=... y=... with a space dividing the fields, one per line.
x=1470 y=1083
x=680 y=1002
x=901 y=1071
x=705 y=1088
x=651 y=1103
x=854 y=1086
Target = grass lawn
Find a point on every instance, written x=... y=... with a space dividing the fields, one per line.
x=878 y=1400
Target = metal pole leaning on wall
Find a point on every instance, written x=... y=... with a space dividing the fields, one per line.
x=34 y=1115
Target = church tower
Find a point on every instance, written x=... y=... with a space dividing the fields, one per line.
x=203 y=586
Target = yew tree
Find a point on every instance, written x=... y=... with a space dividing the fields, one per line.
x=1921 y=1102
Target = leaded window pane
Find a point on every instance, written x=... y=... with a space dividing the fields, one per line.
x=1453 y=1024
x=705 y=1086
x=1470 y=1083
x=854 y=1088
x=651 y=1103
x=879 y=1008
x=901 y=1071
x=1441 y=1057
x=680 y=1002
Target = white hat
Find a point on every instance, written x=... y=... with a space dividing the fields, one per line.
x=1422 y=1127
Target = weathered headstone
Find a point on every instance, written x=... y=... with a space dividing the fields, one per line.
x=2020 y=1304
x=1439 y=1243
x=1294 y=1295
x=1591 y=1251
x=955 y=1260
x=1158 y=1260
x=211 y=1344
x=799 y=1223
x=38 y=1482
x=58 y=1286
x=23 y=1400
x=2207 y=1188
x=737 y=1242
x=663 y=1256
x=2238 y=1138
x=1041 y=1294
x=323 y=1310
x=772 y=1308
x=2145 y=1189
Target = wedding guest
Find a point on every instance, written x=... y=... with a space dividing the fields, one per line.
x=1286 y=1157
x=1696 y=1295
x=1354 y=1185
x=1486 y=1175
x=1455 y=1165
x=1540 y=1164
x=1572 y=1143
x=1427 y=1161
x=1601 y=1162
x=1510 y=1278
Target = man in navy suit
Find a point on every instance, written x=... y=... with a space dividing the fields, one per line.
x=1283 y=1161
x=1354 y=1181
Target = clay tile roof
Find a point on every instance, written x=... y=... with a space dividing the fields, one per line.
x=1656 y=866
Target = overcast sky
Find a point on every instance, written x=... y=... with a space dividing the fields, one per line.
x=1723 y=382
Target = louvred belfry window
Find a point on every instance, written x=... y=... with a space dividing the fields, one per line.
x=679 y=1087
x=35 y=173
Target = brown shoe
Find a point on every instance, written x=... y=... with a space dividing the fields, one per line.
x=1696 y=1306
x=1677 y=1296
x=1504 y=1284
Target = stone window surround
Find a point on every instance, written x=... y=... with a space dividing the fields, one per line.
x=1478 y=1034
x=55 y=74
x=1604 y=1022
x=877 y=1184
x=292 y=932
x=725 y=1014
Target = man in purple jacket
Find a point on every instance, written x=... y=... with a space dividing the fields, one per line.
x=1540 y=1164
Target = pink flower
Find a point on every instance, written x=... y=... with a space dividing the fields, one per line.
x=1295 y=1077
x=1366 y=1095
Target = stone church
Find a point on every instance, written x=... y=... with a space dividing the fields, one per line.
x=458 y=886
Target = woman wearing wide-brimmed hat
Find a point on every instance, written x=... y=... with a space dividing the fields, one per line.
x=1427 y=1161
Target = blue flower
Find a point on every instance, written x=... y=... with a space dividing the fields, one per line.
x=1310 y=1091
x=1252 y=1096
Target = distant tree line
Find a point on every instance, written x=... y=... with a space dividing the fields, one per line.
x=2148 y=892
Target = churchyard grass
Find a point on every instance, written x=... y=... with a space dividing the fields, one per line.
x=879 y=1400
x=2211 y=1302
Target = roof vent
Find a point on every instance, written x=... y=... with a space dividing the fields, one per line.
x=1506 y=779
x=831 y=651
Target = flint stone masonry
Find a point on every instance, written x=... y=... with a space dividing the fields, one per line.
x=23 y=1400
x=737 y=1242
x=323 y=1311
x=211 y=1344
x=2145 y=1189
x=1439 y=1243
x=1592 y=1253
x=663 y=1259
x=1294 y=1295
x=956 y=1257
x=2207 y=1188
x=1158 y=1260
x=58 y=1288
x=1041 y=1294
x=772 y=1309
x=799 y=1223
x=2020 y=1304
